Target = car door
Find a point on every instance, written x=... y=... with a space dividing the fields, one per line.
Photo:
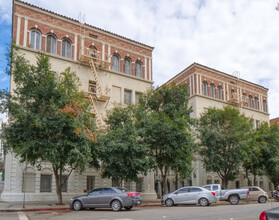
x=194 y=195
x=255 y=193
x=92 y=199
x=180 y=196
x=106 y=197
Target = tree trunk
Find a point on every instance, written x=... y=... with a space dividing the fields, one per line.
x=248 y=179
x=58 y=178
x=255 y=180
x=225 y=183
x=176 y=180
x=164 y=181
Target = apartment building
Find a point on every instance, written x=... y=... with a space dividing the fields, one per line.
x=111 y=68
x=212 y=88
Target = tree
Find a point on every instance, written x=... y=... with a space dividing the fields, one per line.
x=224 y=135
x=49 y=118
x=164 y=124
x=122 y=152
x=267 y=139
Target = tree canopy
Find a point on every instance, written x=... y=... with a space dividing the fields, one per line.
x=164 y=124
x=49 y=119
x=224 y=137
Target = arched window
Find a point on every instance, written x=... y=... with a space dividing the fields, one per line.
x=66 y=48
x=35 y=39
x=220 y=91
x=233 y=94
x=115 y=66
x=212 y=90
x=128 y=66
x=250 y=101
x=92 y=52
x=138 y=68
x=51 y=44
x=204 y=88
x=256 y=103
x=264 y=106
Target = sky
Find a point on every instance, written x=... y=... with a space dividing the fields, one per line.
x=238 y=35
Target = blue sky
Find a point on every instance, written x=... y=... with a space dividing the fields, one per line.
x=238 y=35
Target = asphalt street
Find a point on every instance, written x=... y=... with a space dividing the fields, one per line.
x=193 y=212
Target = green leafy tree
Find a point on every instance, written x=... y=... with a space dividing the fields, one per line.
x=122 y=152
x=224 y=135
x=49 y=118
x=267 y=140
x=164 y=124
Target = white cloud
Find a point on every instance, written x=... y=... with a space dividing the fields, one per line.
x=5 y=11
x=226 y=35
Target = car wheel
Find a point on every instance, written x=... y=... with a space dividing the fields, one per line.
x=262 y=199
x=77 y=205
x=116 y=205
x=169 y=202
x=203 y=202
x=128 y=208
x=233 y=199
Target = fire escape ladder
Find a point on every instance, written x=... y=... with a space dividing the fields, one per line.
x=96 y=111
x=95 y=74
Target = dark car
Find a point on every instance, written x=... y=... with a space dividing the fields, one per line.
x=271 y=214
x=106 y=197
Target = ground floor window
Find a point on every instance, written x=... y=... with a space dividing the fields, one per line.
x=64 y=187
x=28 y=182
x=90 y=185
x=46 y=183
x=139 y=185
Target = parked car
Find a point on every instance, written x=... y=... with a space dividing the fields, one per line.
x=189 y=195
x=257 y=194
x=106 y=197
x=231 y=195
x=271 y=214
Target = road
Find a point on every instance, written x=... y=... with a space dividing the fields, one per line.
x=213 y=212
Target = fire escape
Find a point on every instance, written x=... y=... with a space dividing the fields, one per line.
x=98 y=90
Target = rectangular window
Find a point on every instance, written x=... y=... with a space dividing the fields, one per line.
x=253 y=123
x=29 y=180
x=64 y=187
x=216 y=181
x=237 y=184
x=128 y=185
x=92 y=87
x=208 y=181
x=46 y=183
x=90 y=185
x=139 y=185
x=128 y=97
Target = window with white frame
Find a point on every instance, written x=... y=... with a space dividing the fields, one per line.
x=219 y=92
x=256 y=103
x=138 y=68
x=51 y=44
x=115 y=63
x=28 y=182
x=253 y=123
x=93 y=52
x=204 y=88
x=188 y=89
x=264 y=106
x=250 y=101
x=128 y=66
x=128 y=97
x=66 y=48
x=46 y=181
x=92 y=88
x=212 y=90
x=35 y=39
x=90 y=183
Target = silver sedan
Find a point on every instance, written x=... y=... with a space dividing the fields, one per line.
x=190 y=195
x=113 y=197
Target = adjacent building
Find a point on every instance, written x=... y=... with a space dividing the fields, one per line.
x=212 y=88
x=112 y=69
